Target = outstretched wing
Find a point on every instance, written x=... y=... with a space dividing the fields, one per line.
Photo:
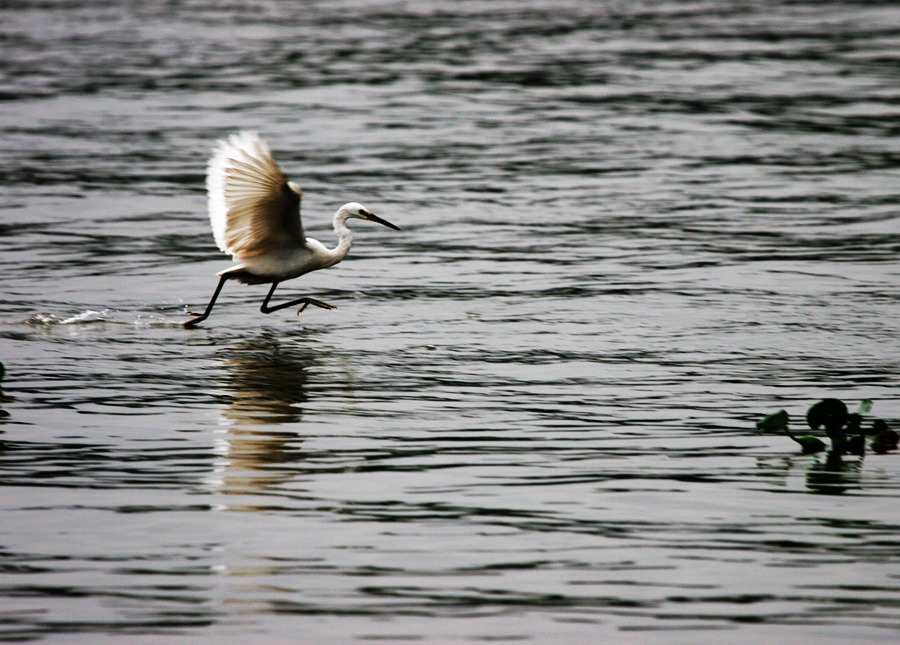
x=253 y=208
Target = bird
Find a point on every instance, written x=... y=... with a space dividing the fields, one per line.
x=254 y=212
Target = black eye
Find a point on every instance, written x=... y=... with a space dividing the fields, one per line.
x=362 y=212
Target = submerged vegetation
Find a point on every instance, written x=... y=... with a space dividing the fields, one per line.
x=845 y=430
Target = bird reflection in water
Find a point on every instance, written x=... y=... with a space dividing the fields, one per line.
x=261 y=444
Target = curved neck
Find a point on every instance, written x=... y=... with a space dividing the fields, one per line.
x=345 y=237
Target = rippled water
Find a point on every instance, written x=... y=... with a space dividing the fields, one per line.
x=629 y=231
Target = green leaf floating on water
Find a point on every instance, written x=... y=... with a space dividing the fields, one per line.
x=885 y=439
x=830 y=414
x=779 y=421
x=844 y=428
x=775 y=422
x=809 y=443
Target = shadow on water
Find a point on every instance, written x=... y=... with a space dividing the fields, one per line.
x=835 y=475
x=267 y=379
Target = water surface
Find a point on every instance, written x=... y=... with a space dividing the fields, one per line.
x=629 y=231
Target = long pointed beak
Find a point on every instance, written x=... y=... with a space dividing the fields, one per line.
x=374 y=218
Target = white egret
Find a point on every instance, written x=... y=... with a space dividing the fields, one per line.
x=255 y=216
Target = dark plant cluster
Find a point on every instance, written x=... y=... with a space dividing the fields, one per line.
x=845 y=430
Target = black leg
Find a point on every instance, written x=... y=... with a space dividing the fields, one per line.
x=193 y=322
x=305 y=302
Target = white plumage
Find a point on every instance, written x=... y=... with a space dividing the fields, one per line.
x=254 y=212
x=252 y=206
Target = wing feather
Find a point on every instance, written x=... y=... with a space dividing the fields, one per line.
x=253 y=209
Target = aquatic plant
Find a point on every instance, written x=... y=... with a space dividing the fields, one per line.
x=844 y=429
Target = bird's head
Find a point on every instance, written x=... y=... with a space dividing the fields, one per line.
x=358 y=211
